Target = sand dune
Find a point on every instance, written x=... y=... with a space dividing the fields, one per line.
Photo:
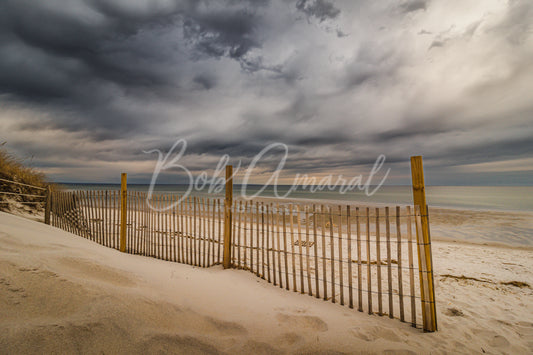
x=60 y=293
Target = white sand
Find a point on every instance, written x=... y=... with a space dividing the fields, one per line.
x=60 y=293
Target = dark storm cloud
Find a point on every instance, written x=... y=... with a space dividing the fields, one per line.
x=413 y=5
x=320 y=9
x=222 y=33
x=102 y=80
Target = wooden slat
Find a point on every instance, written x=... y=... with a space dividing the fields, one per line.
x=368 y=262
x=332 y=255
x=359 y=271
x=142 y=197
x=341 y=278
x=285 y=249
x=195 y=232
x=300 y=254
x=324 y=267
x=267 y=240
x=399 y=257
x=411 y=266
x=423 y=267
x=204 y=233
x=106 y=218
x=389 y=261
x=378 y=264
x=252 y=223
x=293 y=257
x=315 y=250
x=239 y=232
x=167 y=219
x=209 y=231
x=263 y=240
x=247 y=230
x=349 y=242
x=273 y=245
x=278 y=239
x=188 y=240
x=307 y=259
x=101 y=217
x=219 y=211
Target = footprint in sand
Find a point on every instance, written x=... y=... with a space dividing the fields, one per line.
x=310 y=322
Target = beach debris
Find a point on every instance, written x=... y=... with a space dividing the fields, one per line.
x=454 y=312
x=462 y=277
x=303 y=243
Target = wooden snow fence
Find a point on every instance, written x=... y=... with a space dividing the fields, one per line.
x=373 y=259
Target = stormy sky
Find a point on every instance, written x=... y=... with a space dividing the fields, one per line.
x=87 y=86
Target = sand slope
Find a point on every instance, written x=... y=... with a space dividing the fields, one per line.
x=60 y=293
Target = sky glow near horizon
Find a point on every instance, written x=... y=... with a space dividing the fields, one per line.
x=87 y=85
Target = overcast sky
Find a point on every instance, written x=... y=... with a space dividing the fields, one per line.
x=87 y=85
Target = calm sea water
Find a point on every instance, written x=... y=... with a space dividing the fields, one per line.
x=499 y=198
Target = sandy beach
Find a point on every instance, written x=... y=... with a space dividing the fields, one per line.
x=61 y=293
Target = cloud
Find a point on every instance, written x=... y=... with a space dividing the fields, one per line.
x=91 y=81
x=320 y=9
x=413 y=5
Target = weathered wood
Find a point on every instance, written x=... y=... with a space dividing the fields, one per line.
x=219 y=212
x=324 y=267
x=332 y=255
x=273 y=245
x=252 y=223
x=307 y=260
x=123 y=211
x=389 y=261
x=262 y=240
x=258 y=236
x=423 y=237
x=341 y=268
x=228 y=217
x=278 y=239
x=359 y=267
x=267 y=241
x=399 y=257
x=424 y=280
x=349 y=245
x=300 y=254
x=368 y=262
x=195 y=239
x=378 y=264
x=204 y=234
x=207 y=231
x=48 y=205
x=293 y=257
x=285 y=250
x=411 y=266
x=315 y=252
x=239 y=232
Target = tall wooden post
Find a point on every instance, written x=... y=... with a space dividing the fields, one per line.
x=48 y=205
x=123 y=210
x=425 y=260
x=226 y=261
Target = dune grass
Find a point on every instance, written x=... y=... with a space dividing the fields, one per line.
x=14 y=169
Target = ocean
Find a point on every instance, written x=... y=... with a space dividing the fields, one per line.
x=493 y=198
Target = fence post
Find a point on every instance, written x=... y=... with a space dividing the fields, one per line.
x=226 y=261
x=123 y=211
x=419 y=199
x=48 y=205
